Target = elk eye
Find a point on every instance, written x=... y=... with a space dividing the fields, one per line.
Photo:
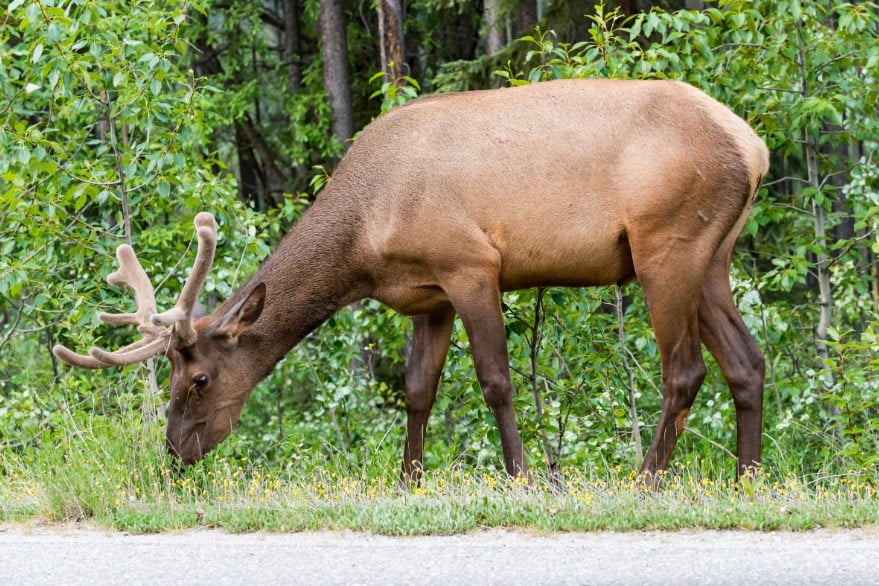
x=199 y=382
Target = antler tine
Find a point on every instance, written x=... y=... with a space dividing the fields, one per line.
x=181 y=314
x=130 y=273
x=137 y=352
x=74 y=359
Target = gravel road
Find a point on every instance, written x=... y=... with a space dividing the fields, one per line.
x=71 y=555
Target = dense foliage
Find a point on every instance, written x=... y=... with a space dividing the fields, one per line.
x=120 y=121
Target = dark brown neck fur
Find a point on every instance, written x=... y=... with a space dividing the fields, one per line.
x=312 y=274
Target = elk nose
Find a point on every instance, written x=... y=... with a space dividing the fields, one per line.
x=185 y=451
x=177 y=464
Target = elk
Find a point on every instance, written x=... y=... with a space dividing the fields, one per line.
x=441 y=205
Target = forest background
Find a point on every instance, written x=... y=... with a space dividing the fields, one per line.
x=120 y=121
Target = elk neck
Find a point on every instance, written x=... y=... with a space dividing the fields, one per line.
x=314 y=272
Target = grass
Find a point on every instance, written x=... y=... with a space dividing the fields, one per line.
x=114 y=474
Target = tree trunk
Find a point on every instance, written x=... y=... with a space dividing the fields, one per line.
x=540 y=8
x=491 y=18
x=334 y=47
x=627 y=7
x=630 y=375
x=822 y=265
x=390 y=33
x=292 y=38
x=527 y=15
x=552 y=458
x=250 y=179
x=839 y=157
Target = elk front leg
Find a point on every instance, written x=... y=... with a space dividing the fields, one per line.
x=476 y=298
x=431 y=334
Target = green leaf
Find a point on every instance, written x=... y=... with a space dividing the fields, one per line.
x=33 y=12
x=164 y=188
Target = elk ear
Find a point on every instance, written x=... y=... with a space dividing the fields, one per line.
x=242 y=315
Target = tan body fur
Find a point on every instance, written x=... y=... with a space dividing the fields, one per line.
x=548 y=203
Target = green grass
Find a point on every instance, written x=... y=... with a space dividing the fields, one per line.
x=114 y=474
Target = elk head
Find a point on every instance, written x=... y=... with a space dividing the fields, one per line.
x=196 y=347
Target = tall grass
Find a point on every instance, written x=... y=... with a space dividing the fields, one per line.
x=114 y=472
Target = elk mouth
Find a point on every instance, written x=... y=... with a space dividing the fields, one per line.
x=187 y=445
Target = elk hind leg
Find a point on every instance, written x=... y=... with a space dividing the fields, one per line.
x=673 y=303
x=431 y=334
x=740 y=359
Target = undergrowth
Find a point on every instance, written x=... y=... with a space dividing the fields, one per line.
x=113 y=473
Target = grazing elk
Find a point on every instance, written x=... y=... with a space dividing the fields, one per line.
x=444 y=203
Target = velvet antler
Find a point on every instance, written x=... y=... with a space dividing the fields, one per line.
x=157 y=336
